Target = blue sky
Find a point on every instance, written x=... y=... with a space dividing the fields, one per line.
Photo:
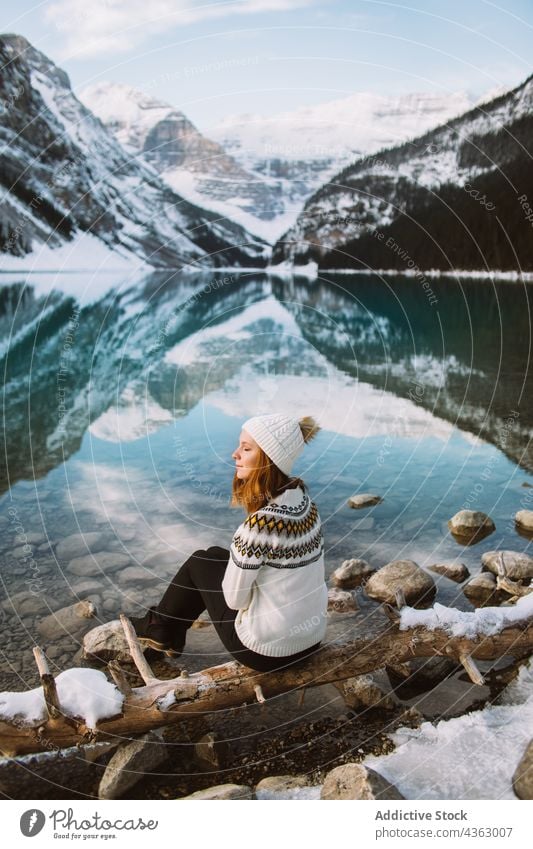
x=231 y=56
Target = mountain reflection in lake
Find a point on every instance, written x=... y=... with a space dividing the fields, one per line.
x=121 y=414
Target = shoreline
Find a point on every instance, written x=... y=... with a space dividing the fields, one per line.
x=310 y=270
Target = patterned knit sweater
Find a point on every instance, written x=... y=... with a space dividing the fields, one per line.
x=275 y=576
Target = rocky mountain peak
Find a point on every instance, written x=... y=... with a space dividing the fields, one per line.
x=22 y=50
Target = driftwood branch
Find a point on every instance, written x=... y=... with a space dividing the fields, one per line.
x=473 y=672
x=232 y=684
x=504 y=583
x=400 y=598
x=117 y=674
x=51 y=698
x=136 y=652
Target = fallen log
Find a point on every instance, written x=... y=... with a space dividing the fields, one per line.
x=230 y=685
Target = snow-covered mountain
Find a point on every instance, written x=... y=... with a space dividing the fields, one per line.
x=335 y=130
x=456 y=197
x=64 y=175
x=193 y=165
x=261 y=170
x=303 y=148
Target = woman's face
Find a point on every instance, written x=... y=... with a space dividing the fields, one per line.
x=246 y=456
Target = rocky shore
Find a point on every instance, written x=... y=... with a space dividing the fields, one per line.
x=279 y=749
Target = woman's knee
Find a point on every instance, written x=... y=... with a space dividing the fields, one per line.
x=212 y=550
x=218 y=552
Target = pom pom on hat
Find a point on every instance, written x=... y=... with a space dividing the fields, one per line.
x=309 y=428
x=282 y=438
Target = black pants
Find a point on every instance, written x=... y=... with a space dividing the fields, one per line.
x=197 y=587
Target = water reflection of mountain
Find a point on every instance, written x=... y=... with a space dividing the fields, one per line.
x=465 y=357
x=141 y=357
x=116 y=344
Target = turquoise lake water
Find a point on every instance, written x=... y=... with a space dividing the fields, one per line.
x=123 y=403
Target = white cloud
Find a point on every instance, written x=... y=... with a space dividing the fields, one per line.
x=111 y=26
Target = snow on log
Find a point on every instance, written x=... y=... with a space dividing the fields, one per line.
x=90 y=707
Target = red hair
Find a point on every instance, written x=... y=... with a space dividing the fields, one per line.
x=264 y=482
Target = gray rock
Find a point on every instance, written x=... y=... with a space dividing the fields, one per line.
x=47 y=565
x=518 y=566
x=524 y=518
x=351 y=573
x=53 y=652
x=203 y=621
x=77 y=545
x=106 y=642
x=355 y=781
x=88 y=586
x=32 y=538
x=341 y=601
x=136 y=575
x=161 y=560
x=126 y=533
x=481 y=591
x=26 y=548
x=418 y=587
x=423 y=674
x=223 y=791
x=91 y=519
x=211 y=752
x=130 y=763
x=471 y=525
x=95 y=564
x=73 y=620
x=279 y=783
x=454 y=571
x=75 y=767
x=21 y=551
x=135 y=599
x=362 y=692
x=26 y=603
x=363 y=499
x=111 y=592
x=523 y=775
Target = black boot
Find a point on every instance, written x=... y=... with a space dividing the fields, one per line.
x=157 y=632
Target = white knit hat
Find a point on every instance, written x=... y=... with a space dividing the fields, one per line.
x=279 y=436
